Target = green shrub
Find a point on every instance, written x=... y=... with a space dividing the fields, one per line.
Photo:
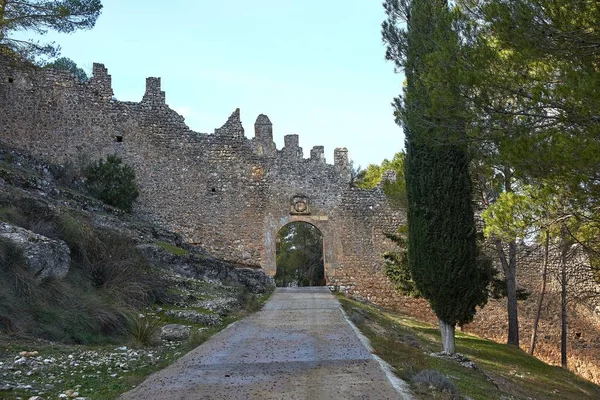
x=112 y=182
x=143 y=329
x=435 y=379
x=396 y=265
x=249 y=301
x=67 y=65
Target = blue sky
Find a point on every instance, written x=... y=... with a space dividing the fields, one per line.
x=316 y=68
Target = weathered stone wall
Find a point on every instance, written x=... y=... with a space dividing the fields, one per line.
x=223 y=191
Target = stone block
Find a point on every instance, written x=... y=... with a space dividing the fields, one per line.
x=47 y=258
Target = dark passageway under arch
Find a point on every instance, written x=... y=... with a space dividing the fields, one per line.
x=299 y=256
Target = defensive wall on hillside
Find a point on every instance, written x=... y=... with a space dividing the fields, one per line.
x=222 y=191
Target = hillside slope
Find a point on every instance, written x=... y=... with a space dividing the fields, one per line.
x=130 y=298
x=483 y=369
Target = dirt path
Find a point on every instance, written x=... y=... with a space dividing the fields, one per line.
x=299 y=346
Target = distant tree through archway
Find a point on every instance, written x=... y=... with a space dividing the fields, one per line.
x=299 y=256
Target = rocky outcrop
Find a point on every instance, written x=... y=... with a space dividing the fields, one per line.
x=47 y=258
x=255 y=280
x=204 y=267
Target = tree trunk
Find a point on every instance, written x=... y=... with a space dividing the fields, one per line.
x=563 y=297
x=541 y=296
x=447 y=331
x=510 y=275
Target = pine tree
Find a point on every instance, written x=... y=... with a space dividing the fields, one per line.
x=533 y=79
x=39 y=16
x=442 y=251
x=68 y=65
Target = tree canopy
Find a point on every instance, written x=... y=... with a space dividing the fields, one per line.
x=68 y=65
x=511 y=88
x=371 y=177
x=532 y=79
x=39 y=16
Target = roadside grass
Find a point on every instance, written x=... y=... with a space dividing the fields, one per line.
x=108 y=279
x=503 y=372
x=108 y=388
x=95 y=372
x=104 y=371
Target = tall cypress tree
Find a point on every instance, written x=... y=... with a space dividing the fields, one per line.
x=442 y=251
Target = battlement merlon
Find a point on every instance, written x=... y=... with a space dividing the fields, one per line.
x=291 y=148
x=341 y=162
x=389 y=175
x=263 y=136
x=101 y=82
x=291 y=141
x=153 y=94
x=99 y=71
x=317 y=153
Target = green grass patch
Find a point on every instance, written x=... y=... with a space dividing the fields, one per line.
x=178 y=251
x=100 y=372
x=97 y=372
x=503 y=372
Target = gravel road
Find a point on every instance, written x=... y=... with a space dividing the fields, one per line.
x=299 y=346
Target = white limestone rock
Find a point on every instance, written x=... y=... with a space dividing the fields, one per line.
x=175 y=332
x=47 y=258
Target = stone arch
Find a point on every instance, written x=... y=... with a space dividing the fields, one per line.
x=274 y=225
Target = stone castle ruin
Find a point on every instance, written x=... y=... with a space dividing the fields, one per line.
x=231 y=195
x=223 y=191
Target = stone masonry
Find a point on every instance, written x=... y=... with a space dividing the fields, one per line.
x=222 y=191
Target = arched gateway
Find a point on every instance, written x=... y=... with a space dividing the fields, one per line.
x=222 y=191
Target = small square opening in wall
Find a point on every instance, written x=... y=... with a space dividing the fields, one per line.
x=118 y=139
x=10 y=80
x=213 y=190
